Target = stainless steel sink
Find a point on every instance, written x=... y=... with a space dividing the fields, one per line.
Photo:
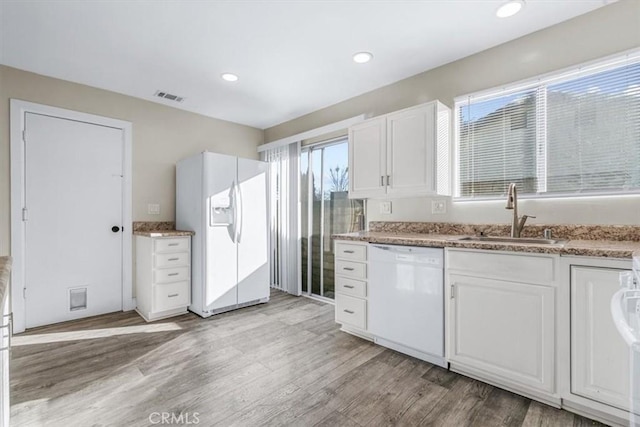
x=526 y=240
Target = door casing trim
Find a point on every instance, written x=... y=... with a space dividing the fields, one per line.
x=18 y=110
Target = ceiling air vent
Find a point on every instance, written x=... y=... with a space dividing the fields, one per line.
x=170 y=97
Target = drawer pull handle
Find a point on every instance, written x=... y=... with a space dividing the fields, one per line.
x=349 y=286
x=173 y=244
x=349 y=252
x=348 y=268
x=174 y=259
x=172 y=295
x=349 y=312
x=173 y=274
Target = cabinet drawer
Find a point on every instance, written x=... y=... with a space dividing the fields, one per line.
x=172 y=245
x=170 y=295
x=523 y=268
x=351 y=252
x=356 y=270
x=170 y=275
x=351 y=311
x=356 y=288
x=179 y=259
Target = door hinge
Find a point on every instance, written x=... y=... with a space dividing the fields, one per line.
x=25 y=214
x=453 y=291
x=24 y=293
x=24 y=135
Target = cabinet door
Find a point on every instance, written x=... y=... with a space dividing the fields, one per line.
x=600 y=365
x=367 y=159
x=411 y=151
x=5 y=332
x=504 y=329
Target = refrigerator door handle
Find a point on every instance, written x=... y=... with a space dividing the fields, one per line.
x=232 y=220
x=238 y=214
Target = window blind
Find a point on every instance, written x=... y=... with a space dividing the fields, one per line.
x=283 y=216
x=568 y=134
x=497 y=145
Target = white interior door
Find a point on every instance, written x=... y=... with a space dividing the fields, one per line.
x=253 y=264
x=73 y=195
x=221 y=255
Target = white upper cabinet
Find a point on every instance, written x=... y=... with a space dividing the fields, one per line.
x=367 y=144
x=405 y=153
x=411 y=150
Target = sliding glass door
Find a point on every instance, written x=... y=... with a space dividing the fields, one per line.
x=325 y=210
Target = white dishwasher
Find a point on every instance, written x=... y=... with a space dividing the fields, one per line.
x=406 y=300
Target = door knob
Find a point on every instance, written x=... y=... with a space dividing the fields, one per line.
x=115 y=228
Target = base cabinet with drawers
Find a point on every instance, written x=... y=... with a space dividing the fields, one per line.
x=163 y=276
x=351 y=287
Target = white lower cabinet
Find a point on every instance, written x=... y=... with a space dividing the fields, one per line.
x=351 y=287
x=501 y=320
x=600 y=359
x=6 y=327
x=539 y=325
x=504 y=328
x=163 y=276
x=351 y=311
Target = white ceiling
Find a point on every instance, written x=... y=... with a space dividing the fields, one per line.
x=293 y=57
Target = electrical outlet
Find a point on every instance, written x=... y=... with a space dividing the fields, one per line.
x=153 y=209
x=385 y=208
x=438 y=206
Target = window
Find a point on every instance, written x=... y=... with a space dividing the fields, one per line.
x=326 y=209
x=573 y=133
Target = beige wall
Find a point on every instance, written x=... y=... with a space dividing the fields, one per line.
x=161 y=136
x=608 y=30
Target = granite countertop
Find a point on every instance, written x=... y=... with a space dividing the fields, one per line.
x=5 y=270
x=158 y=229
x=163 y=233
x=593 y=248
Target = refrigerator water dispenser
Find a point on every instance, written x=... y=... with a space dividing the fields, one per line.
x=221 y=211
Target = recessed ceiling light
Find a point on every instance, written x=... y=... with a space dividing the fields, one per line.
x=229 y=77
x=362 y=57
x=510 y=8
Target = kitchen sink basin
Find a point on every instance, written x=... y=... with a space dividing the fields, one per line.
x=529 y=240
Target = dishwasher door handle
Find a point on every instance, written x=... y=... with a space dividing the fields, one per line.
x=395 y=249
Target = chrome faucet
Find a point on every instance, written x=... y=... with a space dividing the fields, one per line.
x=517 y=224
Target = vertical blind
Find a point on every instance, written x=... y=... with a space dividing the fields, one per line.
x=567 y=134
x=283 y=217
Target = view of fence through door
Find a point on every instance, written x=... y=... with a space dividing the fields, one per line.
x=325 y=209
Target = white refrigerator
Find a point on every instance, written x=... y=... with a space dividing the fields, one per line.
x=223 y=199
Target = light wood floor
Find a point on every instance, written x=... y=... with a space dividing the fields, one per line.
x=283 y=363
